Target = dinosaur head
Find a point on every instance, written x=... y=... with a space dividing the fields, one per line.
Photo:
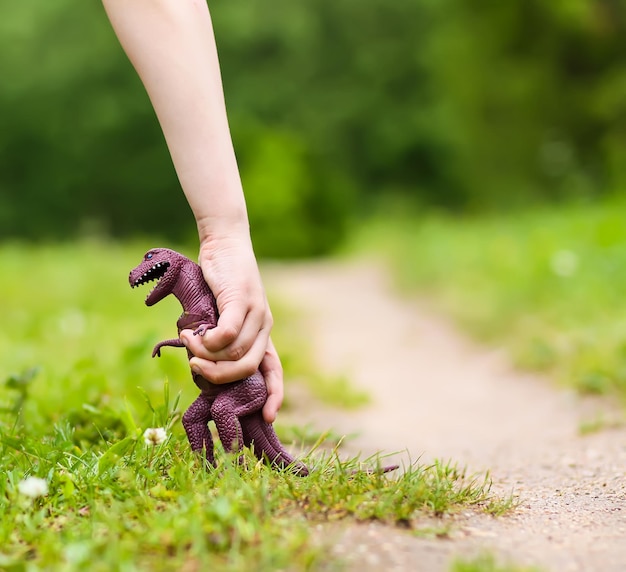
x=159 y=264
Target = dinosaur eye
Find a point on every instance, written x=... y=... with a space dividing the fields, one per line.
x=149 y=255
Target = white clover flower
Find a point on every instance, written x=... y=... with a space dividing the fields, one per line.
x=564 y=263
x=33 y=487
x=154 y=436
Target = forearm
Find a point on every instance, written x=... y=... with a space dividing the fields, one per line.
x=172 y=46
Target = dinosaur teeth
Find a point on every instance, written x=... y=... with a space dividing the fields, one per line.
x=154 y=273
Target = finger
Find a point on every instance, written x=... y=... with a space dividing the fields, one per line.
x=194 y=344
x=271 y=407
x=272 y=371
x=252 y=329
x=235 y=351
x=229 y=327
x=227 y=371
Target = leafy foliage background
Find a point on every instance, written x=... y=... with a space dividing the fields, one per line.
x=335 y=106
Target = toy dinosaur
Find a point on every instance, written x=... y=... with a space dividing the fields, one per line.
x=234 y=407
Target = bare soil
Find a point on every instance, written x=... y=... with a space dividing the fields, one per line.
x=436 y=394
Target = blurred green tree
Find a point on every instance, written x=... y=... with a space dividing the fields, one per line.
x=536 y=92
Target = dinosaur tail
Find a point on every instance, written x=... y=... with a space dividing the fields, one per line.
x=265 y=442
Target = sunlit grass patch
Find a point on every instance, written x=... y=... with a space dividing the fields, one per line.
x=501 y=505
x=599 y=422
x=545 y=283
x=149 y=503
x=69 y=312
x=487 y=563
x=310 y=436
x=336 y=391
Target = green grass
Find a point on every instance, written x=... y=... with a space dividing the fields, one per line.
x=336 y=391
x=548 y=284
x=487 y=563
x=77 y=390
x=124 y=505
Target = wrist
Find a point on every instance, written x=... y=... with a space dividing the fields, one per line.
x=216 y=230
x=224 y=241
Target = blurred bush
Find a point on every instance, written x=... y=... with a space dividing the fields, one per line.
x=333 y=104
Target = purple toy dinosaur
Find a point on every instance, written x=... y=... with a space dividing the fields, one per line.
x=234 y=407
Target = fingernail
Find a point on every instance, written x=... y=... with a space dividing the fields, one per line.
x=195 y=369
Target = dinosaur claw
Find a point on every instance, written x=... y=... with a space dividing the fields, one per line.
x=200 y=331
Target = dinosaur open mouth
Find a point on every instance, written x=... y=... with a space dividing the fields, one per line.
x=156 y=272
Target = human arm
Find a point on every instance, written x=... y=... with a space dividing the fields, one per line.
x=172 y=47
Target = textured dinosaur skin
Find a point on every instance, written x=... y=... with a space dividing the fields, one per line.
x=234 y=407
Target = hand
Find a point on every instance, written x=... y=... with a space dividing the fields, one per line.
x=272 y=371
x=240 y=343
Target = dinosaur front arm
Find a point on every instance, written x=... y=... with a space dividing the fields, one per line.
x=174 y=342
x=199 y=331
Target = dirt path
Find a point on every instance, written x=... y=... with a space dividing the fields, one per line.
x=437 y=395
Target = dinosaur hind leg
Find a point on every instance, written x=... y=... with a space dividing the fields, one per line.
x=238 y=400
x=195 y=422
x=265 y=442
